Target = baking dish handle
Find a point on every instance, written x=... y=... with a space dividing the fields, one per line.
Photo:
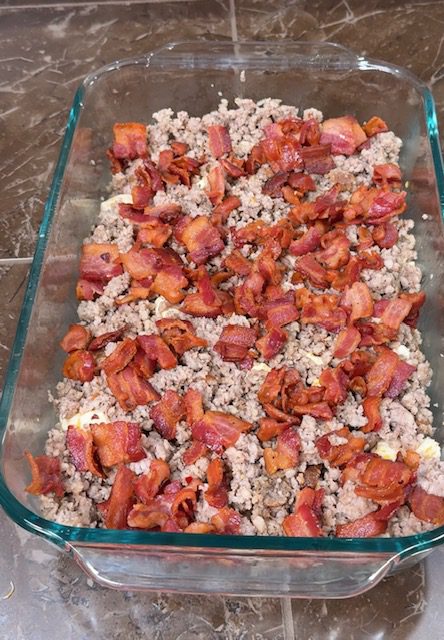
x=299 y=575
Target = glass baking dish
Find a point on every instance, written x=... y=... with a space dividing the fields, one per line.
x=193 y=76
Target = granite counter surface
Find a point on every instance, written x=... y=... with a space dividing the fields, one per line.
x=46 y=48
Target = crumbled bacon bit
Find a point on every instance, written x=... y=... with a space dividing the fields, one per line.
x=235 y=342
x=216 y=494
x=100 y=262
x=200 y=237
x=118 y=506
x=79 y=442
x=195 y=451
x=46 y=475
x=79 y=365
x=105 y=338
x=77 y=337
x=179 y=334
x=120 y=357
x=130 y=389
x=286 y=453
x=130 y=140
x=167 y=413
x=344 y=134
x=374 y=125
x=148 y=485
x=219 y=140
x=272 y=342
x=227 y=521
x=157 y=350
x=218 y=430
x=427 y=507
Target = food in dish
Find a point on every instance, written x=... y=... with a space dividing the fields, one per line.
x=246 y=358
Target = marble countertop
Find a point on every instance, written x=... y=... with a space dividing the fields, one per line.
x=46 y=48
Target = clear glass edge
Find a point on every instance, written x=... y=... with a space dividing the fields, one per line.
x=63 y=536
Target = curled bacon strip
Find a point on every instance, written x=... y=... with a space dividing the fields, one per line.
x=46 y=475
x=130 y=140
x=371 y=407
x=216 y=494
x=77 y=337
x=339 y=454
x=307 y=243
x=308 y=266
x=79 y=365
x=384 y=481
x=148 y=485
x=346 y=342
x=117 y=442
x=79 y=443
x=234 y=342
x=167 y=413
x=381 y=374
x=218 y=430
x=216 y=185
x=179 y=334
x=208 y=301
x=104 y=338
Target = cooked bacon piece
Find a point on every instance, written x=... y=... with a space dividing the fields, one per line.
x=216 y=185
x=344 y=134
x=120 y=357
x=417 y=300
x=266 y=263
x=130 y=389
x=271 y=386
x=251 y=233
x=386 y=205
x=319 y=410
x=157 y=350
x=387 y=175
x=143 y=263
x=279 y=415
x=117 y=508
x=193 y=406
x=99 y=262
x=310 y=132
x=117 y=166
x=166 y=212
x=79 y=365
x=381 y=374
x=348 y=275
x=272 y=342
x=234 y=167
x=79 y=443
x=375 y=334
x=282 y=153
x=384 y=481
x=46 y=475
x=220 y=213
x=248 y=296
x=335 y=252
x=179 y=148
x=86 y=290
x=117 y=442
x=77 y=337
x=219 y=430
x=324 y=311
x=130 y=140
x=219 y=140
x=317 y=159
x=335 y=383
x=339 y=454
x=396 y=310
x=273 y=186
x=169 y=283
x=305 y=521
x=147 y=182
x=236 y=262
x=148 y=516
x=286 y=454
x=385 y=235
x=208 y=302
x=195 y=451
x=412 y=459
x=306 y=243
x=301 y=183
x=402 y=373
x=227 y=521
x=358 y=301
x=200 y=237
x=270 y=428
x=371 y=407
x=426 y=506
x=148 y=485
x=234 y=342
x=365 y=239
x=311 y=269
x=346 y=342
x=105 y=338
x=167 y=413
x=216 y=494
x=369 y=526
x=280 y=311
x=199 y=527
x=374 y=125
x=154 y=233
x=179 y=334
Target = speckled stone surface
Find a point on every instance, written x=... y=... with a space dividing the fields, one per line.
x=46 y=48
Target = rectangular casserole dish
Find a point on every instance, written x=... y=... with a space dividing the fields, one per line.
x=193 y=77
